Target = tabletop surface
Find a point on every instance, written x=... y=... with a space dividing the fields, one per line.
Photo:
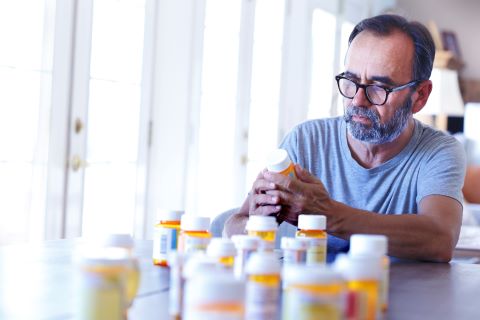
x=36 y=282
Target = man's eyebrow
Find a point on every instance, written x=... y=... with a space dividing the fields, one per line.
x=382 y=79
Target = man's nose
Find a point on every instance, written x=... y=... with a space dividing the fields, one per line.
x=360 y=98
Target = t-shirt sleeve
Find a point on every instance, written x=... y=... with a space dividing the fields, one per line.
x=443 y=172
x=290 y=144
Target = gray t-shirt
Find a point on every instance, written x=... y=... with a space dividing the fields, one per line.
x=431 y=163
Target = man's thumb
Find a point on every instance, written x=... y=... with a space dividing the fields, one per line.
x=304 y=175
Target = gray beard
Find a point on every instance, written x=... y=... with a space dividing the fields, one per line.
x=376 y=132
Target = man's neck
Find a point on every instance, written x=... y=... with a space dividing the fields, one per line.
x=372 y=155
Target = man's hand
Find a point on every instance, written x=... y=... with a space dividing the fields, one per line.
x=306 y=194
x=260 y=201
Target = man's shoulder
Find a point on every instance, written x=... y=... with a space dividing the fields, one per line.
x=319 y=125
x=436 y=138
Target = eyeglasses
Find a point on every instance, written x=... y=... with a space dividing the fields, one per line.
x=376 y=94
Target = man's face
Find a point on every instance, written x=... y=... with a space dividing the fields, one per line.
x=385 y=61
x=377 y=132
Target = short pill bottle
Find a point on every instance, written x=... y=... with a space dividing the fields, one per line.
x=223 y=250
x=194 y=234
x=294 y=250
x=246 y=245
x=264 y=227
x=313 y=228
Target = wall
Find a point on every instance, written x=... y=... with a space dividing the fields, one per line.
x=460 y=16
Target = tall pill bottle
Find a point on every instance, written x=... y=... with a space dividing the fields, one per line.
x=363 y=274
x=376 y=246
x=176 y=263
x=125 y=241
x=214 y=296
x=263 y=272
x=313 y=228
x=246 y=245
x=165 y=235
x=313 y=292
x=101 y=284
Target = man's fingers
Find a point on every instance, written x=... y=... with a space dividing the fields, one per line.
x=265 y=199
x=266 y=210
x=282 y=182
x=262 y=185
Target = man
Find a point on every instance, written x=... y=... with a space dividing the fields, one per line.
x=377 y=170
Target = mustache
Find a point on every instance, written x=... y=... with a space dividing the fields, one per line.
x=351 y=111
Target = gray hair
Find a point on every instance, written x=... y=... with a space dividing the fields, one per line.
x=385 y=24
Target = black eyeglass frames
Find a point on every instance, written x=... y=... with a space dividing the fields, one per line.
x=376 y=94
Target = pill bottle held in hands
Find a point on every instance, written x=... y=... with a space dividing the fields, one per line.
x=278 y=161
x=313 y=228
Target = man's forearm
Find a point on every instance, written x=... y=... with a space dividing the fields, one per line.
x=411 y=236
x=235 y=224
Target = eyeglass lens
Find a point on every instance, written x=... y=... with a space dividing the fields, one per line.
x=375 y=94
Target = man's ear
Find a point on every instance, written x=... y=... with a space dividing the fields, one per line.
x=420 y=97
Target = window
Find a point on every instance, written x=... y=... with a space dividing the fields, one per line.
x=25 y=81
x=323 y=61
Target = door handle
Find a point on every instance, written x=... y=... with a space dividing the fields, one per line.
x=77 y=163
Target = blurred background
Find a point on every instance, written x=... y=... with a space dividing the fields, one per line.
x=113 y=109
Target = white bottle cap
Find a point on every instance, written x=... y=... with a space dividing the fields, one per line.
x=221 y=247
x=312 y=222
x=194 y=223
x=169 y=215
x=310 y=275
x=294 y=243
x=246 y=242
x=375 y=244
x=278 y=160
x=213 y=289
x=261 y=223
x=363 y=267
x=263 y=263
x=199 y=264
x=106 y=256
x=119 y=240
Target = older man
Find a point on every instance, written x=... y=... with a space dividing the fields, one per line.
x=376 y=170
